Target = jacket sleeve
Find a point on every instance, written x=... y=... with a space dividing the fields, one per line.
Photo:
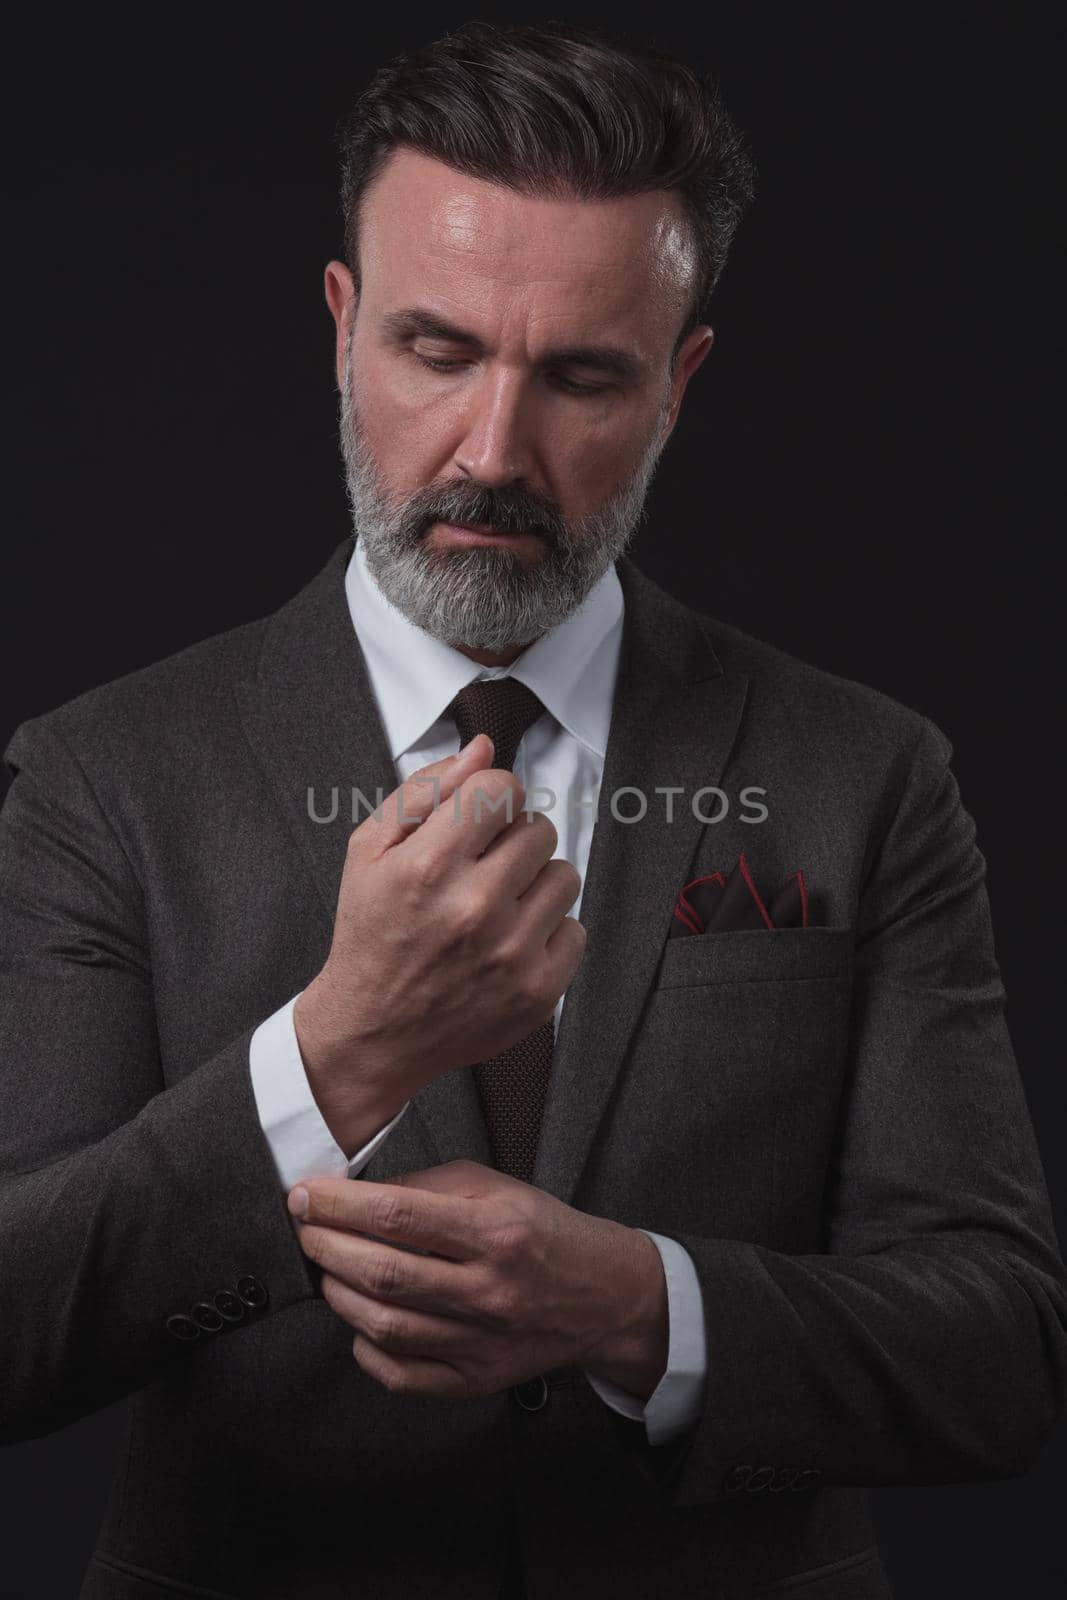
x=123 y=1203
x=927 y=1342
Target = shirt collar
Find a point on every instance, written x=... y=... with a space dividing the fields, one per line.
x=414 y=676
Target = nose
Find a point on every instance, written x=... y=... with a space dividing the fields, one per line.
x=496 y=447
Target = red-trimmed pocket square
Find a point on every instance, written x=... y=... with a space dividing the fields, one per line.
x=718 y=903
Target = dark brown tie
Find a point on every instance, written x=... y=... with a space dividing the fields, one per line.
x=512 y=1086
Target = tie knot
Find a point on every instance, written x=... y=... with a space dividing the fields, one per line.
x=501 y=707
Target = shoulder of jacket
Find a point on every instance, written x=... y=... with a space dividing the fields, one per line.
x=190 y=687
x=826 y=706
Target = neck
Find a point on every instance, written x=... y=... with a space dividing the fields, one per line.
x=492 y=658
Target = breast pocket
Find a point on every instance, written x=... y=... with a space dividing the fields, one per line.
x=736 y=1075
x=800 y=955
x=746 y=1017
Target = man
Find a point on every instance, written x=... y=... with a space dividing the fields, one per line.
x=585 y=1198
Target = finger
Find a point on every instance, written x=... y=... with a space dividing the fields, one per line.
x=514 y=858
x=446 y=1224
x=565 y=952
x=487 y=801
x=392 y=1275
x=435 y=1380
x=400 y=1331
x=403 y=811
x=471 y=1179
x=539 y=912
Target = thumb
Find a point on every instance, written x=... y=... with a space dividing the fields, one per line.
x=414 y=799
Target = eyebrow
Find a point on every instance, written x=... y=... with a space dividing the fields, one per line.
x=607 y=358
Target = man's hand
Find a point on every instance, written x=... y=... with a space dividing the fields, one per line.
x=512 y=1284
x=451 y=941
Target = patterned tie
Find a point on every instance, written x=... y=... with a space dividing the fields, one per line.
x=511 y=1086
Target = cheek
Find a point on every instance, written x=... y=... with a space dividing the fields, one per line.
x=592 y=456
x=406 y=429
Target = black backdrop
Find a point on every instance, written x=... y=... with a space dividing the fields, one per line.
x=862 y=471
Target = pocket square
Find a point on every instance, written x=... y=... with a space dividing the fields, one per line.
x=717 y=903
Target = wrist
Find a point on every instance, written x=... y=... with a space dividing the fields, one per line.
x=633 y=1353
x=354 y=1102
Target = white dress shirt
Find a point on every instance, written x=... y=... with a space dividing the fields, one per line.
x=560 y=762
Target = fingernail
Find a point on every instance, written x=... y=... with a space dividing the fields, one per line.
x=299 y=1201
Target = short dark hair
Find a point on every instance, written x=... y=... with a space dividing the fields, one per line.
x=560 y=111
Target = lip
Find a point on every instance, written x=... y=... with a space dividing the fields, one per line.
x=456 y=533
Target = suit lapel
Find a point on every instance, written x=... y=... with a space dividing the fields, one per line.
x=674 y=720
x=311 y=718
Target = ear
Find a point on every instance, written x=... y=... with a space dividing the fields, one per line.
x=693 y=352
x=341 y=299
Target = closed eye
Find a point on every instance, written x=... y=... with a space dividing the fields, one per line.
x=571 y=385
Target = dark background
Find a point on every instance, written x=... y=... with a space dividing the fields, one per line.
x=862 y=472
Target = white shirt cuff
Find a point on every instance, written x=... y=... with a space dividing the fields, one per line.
x=677 y=1399
x=296 y=1131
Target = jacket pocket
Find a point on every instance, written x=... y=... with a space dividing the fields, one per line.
x=856 y=1577
x=756 y=956
x=108 y=1577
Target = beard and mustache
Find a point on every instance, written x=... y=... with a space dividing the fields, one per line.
x=486 y=597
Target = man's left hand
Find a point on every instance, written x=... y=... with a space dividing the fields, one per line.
x=512 y=1282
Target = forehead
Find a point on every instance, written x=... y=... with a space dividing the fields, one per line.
x=424 y=226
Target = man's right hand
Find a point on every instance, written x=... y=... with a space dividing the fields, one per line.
x=450 y=943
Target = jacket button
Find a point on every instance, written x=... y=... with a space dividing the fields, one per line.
x=206 y=1316
x=229 y=1305
x=784 y=1478
x=806 y=1479
x=532 y=1395
x=182 y=1327
x=759 y=1480
x=736 y=1478
x=251 y=1291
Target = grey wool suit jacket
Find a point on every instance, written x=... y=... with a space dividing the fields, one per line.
x=829 y=1119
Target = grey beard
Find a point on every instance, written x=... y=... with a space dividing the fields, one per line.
x=487 y=598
